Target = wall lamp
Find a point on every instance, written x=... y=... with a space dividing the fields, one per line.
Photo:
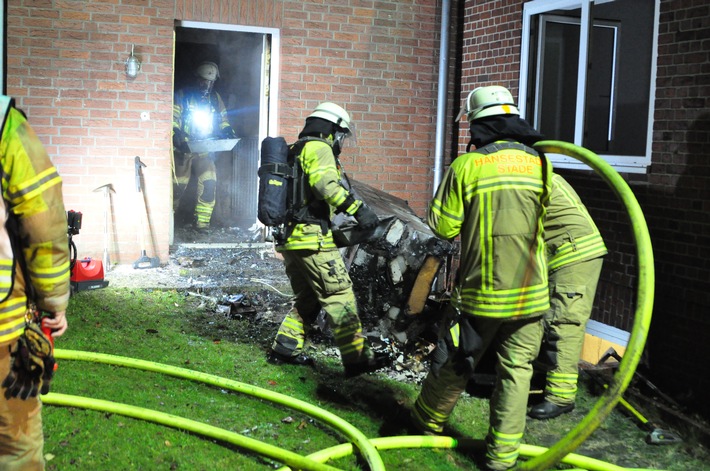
x=133 y=65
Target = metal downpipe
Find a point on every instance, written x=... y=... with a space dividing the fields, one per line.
x=441 y=98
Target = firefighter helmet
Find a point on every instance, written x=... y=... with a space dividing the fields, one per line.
x=333 y=113
x=488 y=101
x=208 y=71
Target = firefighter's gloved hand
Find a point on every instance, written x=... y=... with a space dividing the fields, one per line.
x=459 y=344
x=180 y=140
x=366 y=218
x=470 y=343
x=228 y=133
x=441 y=354
x=32 y=365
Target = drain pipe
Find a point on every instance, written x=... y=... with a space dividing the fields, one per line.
x=441 y=99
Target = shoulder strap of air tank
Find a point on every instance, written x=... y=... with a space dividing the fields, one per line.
x=497 y=146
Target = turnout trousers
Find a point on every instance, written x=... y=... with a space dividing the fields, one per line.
x=21 y=438
x=572 y=291
x=517 y=343
x=320 y=280
x=204 y=170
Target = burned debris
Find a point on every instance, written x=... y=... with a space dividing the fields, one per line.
x=393 y=267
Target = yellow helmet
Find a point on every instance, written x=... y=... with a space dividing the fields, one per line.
x=333 y=113
x=488 y=101
x=208 y=71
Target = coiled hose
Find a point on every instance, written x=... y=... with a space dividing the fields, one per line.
x=313 y=462
x=369 y=452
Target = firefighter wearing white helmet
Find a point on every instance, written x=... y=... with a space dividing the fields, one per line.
x=494 y=199
x=488 y=101
x=198 y=113
x=318 y=276
x=338 y=116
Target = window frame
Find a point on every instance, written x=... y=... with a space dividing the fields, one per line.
x=622 y=163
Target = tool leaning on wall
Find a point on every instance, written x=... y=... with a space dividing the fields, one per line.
x=107 y=189
x=144 y=261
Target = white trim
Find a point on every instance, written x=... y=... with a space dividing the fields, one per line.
x=226 y=27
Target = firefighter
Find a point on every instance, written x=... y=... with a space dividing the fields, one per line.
x=494 y=198
x=34 y=269
x=313 y=263
x=198 y=113
x=575 y=251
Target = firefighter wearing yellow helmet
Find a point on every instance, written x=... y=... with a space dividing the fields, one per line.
x=494 y=199
x=315 y=268
x=198 y=113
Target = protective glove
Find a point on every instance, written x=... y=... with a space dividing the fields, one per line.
x=180 y=141
x=228 y=133
x=32 y=367
x=459 y=343
x=470 y=343
x=366 y=218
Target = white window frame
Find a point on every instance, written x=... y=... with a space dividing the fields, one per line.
x=622 y=163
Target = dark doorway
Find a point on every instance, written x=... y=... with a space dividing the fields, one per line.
x=244 y=61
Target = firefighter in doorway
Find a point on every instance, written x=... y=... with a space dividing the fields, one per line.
x=198 y=113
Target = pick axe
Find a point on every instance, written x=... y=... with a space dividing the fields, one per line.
x=656 y=435
x=107 y=189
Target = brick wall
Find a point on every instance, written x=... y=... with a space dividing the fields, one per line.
x=66 y=68
x=379 y=60
x=677 y=203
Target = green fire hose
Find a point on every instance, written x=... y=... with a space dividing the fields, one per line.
x=279 y=454
x=369 y=452
x=642 y=318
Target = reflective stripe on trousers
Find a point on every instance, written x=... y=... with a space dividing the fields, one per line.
x=320 y=281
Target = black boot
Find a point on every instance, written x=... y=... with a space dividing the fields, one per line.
x=279 y=359
x=548 y=410
x=380 y=360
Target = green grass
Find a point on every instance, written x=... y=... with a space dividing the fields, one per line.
x=170 y=328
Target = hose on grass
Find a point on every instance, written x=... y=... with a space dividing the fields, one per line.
x=642 y=317
x=291 y=460
x=421 y=441
x=279 y=454
x=368 y=451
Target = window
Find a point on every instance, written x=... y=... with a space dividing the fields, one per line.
x=587 y=77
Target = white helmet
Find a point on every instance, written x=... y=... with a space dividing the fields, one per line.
x=488 y=101
x=333 y=113
x=208 y=71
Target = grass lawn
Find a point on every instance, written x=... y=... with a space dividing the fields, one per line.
x=170 y=328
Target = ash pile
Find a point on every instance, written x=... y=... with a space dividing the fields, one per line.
x=394 y=268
